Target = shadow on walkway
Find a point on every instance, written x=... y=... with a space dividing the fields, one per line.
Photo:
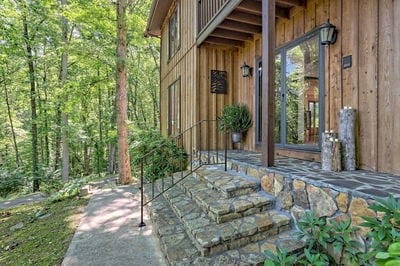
x=108 y=233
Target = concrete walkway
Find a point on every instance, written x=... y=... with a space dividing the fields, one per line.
x=32 y=198
x=108 y=233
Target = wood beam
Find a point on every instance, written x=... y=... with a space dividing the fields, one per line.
x=230 y=34
x=223 y=41
x=218 y=18
x=245 y=18
x=281 y=12
x=268 y=82
x=250 y=6
x=291 y=2
x=241 y=27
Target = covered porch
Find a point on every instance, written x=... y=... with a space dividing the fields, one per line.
x=360 y=183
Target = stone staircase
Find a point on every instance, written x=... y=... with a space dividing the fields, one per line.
x=214 y=217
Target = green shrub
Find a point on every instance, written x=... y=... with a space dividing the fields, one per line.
x=235 y=118
x=391 y=257
x=384 y=230
x=164 y=156
x=51 y=181
x=10 y=182
x=69 y=190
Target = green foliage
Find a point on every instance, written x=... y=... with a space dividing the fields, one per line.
x=235 y=118
x=88 y=95
x=10 y=182
x=166 y=157
x=281 y=258
x=384 y=230
x=391 y=257
x=69 y=190
x=51 y=181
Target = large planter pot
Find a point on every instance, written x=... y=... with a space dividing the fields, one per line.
x=237 y=137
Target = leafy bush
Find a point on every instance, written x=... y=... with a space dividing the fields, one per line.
x=51 y=181
x=69 y=190
x=235 y=118
x=391 y=257
x=164 y=156
x=384 y=230
x=326 y=242
x=10 y=182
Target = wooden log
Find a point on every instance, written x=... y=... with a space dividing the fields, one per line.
x=336 y=158
x=347 y=137
x=327 y=150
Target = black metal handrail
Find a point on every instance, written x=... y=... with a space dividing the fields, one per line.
x=185 y=141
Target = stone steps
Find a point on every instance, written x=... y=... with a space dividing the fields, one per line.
x=230 y=184
x=222 y=209
x=212 y=238
x=180 y=250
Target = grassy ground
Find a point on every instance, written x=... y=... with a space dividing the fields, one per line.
x=46 y=232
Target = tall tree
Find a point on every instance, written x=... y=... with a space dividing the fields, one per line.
x=63 y=79
x=17 y=158
x=121 y=95
x=31 y=68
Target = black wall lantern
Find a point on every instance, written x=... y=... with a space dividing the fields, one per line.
x=328 y=33
x=246 y=70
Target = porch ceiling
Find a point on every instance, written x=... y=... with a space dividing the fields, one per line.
x=235 y=24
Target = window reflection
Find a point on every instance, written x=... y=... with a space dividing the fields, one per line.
x=302 y=93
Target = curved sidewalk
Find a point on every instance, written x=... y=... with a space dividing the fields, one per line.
x=108 y=233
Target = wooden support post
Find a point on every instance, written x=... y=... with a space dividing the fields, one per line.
x=268 y=81
x=347 y=137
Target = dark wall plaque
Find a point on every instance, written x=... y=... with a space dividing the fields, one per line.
x=218 y=81
x=346 y=61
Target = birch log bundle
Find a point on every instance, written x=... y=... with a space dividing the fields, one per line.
x=327 y=150
x=347 y=138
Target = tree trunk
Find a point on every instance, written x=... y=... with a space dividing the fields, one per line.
x=64 y=117
x=122 y=99
x=327 y=150
x=31 y=68
x=17 y=158
x=347 y=136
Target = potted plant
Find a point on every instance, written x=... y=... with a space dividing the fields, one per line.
x=235 y=118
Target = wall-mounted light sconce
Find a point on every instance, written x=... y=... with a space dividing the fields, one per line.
x=328 y=33
x=246 y=70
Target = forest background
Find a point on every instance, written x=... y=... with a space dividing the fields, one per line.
x=58 y=86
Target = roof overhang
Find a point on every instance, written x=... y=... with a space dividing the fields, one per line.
x=158 y=13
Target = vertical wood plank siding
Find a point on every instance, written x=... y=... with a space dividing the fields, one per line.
x=368 y=31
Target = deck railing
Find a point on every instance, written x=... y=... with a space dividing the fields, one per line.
x=198 y=140
x=207 y=9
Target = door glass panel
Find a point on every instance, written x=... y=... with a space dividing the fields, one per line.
x=278 y=100
x=302 y=93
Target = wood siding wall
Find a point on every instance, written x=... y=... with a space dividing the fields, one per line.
x=368 y=30
x=180 y=66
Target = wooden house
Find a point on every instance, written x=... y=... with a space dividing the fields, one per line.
x=298 y=85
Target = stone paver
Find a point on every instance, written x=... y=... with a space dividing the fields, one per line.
x=360 y=182
x=220 y=208
x=228 y=183
x=179 y=248
x=108 y=233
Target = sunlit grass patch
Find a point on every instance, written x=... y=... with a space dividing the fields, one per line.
x=38 y=233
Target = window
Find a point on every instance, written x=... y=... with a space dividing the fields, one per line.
x=174 y=108
x=174 y=40
x=299 y=93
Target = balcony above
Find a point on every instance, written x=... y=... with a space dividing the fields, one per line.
x=232 y=22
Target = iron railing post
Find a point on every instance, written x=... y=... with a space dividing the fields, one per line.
x=141 y=195
x=191 y=149
x=226 y=152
